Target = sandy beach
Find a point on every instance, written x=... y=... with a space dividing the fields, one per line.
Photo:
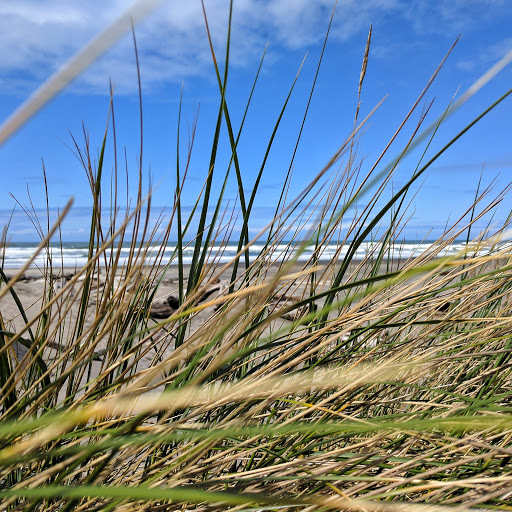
x=33 y=290
x=32 y=285
x=101 y=344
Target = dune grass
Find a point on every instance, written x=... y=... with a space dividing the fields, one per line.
x=374 y=383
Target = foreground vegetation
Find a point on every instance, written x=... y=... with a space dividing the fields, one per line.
x=367 y=385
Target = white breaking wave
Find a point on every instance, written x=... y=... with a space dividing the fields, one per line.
x=73 y=255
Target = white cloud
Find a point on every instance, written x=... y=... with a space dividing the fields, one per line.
x=437 y=16
x=487 y=56
x=36 y=37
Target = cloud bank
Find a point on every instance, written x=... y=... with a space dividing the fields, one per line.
x=38 y=37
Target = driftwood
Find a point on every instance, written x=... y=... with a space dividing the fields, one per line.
x=167 y=307
x=163 y=309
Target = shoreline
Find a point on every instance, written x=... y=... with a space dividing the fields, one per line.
x=32 y=287
x=35 y=271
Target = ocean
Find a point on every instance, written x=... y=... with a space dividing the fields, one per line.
x=74 y=254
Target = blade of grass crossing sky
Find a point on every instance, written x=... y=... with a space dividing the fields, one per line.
x=281 y=197
x=362 y=237
x=179 y=245
x=92 y=238
x=396 y=208
x=232 y=141
x=477 y=85
x=245 y=225
x=241 y=193
x=290 y=167
x=199 y=248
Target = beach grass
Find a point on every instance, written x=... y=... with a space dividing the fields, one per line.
x=359 y=383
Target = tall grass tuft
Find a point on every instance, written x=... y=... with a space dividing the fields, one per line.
x=367 y=382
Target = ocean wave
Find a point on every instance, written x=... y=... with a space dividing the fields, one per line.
x=76 y=255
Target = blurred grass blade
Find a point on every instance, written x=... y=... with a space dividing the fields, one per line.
x=81 y=61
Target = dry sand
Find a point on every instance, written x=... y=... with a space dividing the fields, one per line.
x=31 y=288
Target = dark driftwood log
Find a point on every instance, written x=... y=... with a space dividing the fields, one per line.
x=167 y=307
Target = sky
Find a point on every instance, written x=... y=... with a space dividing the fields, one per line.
x=409 y=40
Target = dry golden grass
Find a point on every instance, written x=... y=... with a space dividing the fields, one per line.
x=364 y=384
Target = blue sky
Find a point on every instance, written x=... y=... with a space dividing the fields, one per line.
x=410 y=38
